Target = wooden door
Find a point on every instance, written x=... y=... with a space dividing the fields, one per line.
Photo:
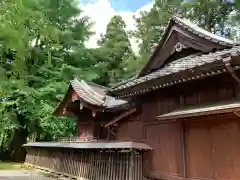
x=199 y=150
x=166 y=158
x=225 y=137
x=213 y=148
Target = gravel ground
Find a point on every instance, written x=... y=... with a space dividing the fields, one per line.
x=23 y=175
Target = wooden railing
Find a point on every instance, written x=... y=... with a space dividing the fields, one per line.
x=78 y=139
x=89 y=164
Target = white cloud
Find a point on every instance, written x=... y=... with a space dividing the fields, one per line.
x=100 y=12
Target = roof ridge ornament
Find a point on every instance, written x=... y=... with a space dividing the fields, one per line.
x=179 y=47
x=81 y=106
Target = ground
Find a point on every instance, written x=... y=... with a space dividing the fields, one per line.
x=22 y=175
x=13 y=171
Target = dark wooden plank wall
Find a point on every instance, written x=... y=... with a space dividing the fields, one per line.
x=213 y=147
x=84 y=129
x=168 y=160
x=131 y=131
x=89 y=126
x=206 y=91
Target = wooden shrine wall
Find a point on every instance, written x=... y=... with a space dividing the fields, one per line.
x=89 y=127
x=85 y=126
x=131 y=131
x=212 y=148
x=171 y=139
x=166 y=158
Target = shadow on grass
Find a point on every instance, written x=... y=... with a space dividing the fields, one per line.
x=11 y=166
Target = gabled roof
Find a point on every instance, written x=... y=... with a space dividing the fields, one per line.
x=181 y=70
x=91 y=96
x=94 y=95
x=182 y=34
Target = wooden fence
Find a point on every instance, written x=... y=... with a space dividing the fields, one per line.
x=89 y=164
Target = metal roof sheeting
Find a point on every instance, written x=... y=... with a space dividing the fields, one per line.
x=202 y=110
x=92 y=145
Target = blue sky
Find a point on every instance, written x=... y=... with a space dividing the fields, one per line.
x=128 y=5
x=123 y=5
x=100 y=13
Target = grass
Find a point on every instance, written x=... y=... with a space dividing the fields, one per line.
x=10 y=166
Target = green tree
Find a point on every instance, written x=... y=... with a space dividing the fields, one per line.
x=211 y=15
x=151 y=26
x=116 y=52
x=42 y=48
x=216 y=16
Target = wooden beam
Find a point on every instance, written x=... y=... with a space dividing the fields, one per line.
x=120 y=117
x=230 y=69
x=111 y=132
x=237 y=113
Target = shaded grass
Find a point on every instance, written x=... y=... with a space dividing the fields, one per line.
x=10 y=166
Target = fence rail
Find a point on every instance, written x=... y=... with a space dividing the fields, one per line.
x=77 y=139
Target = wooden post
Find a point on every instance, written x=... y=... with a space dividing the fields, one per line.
x=131 y=172
x=184 y=150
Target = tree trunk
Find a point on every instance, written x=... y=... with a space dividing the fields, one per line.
x=16 y=151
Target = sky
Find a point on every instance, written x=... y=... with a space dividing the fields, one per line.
x=101 y=11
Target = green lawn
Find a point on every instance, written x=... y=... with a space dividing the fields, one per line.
x=10 y=166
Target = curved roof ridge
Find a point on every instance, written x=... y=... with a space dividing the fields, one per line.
x=187 y=24
x=88 y=94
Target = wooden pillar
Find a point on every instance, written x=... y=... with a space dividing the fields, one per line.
x=184 y=150
x=131 y=172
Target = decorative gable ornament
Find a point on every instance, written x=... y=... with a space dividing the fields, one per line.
x=93 y=114
x=81 y=106
x=179 y=47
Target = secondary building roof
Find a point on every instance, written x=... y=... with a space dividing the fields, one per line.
x=93 y=145
x=94 y=96
x=202 y=110
x=90 y=96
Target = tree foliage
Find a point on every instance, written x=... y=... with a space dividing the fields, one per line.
x=151 y=25
x=38 y=58
x=116 y=51
x=42 y=49
x=216 y=16
x=211 y=15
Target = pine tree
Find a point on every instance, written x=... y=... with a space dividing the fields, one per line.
x=116 y=48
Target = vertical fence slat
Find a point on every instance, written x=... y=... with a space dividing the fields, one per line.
x=89 y=164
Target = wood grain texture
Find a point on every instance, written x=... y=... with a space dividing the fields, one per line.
x=92 y=165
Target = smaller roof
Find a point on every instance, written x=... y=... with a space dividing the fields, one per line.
x=92 y=145
x=94 y=96
x=220 y=108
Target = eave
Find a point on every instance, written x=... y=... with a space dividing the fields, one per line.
x=203 y=66
x=92 y=97
x=197 y=111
